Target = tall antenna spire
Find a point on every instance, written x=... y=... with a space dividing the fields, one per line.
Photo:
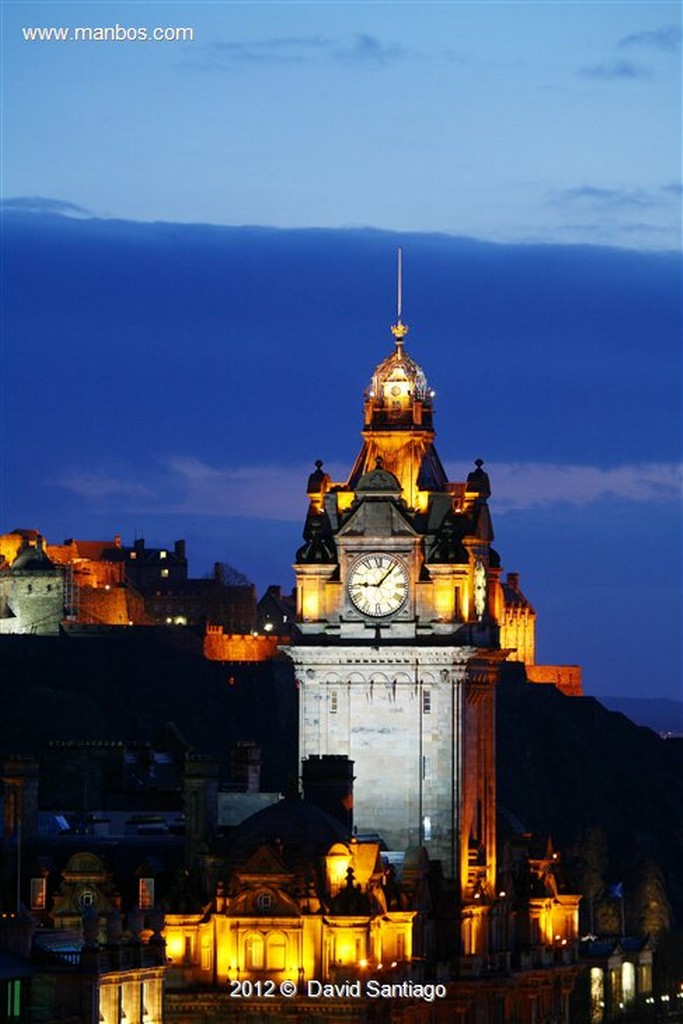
x=399 y=282
x=399 y=330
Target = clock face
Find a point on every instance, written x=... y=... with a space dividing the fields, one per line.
x=378 y=584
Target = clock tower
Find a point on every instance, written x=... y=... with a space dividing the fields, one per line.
x=398 y=653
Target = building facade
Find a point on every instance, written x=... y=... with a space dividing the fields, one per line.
x=402 y=617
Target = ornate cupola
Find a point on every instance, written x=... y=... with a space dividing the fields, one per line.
x=398 y=426
x=398 y=396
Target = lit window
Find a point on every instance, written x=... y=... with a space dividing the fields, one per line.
x=628 y=981
x=164 y=572
x=38 y=887
x=597 y=986
x=162 y=554
x=146 y=893
x=253 y=952
x=334 y=702
x=276 y=952
x=427 y=827
x=132 y=554
x=426 y=702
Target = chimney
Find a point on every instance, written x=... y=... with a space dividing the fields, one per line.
x=328 y=784
x=139 y=543
x=245 y=768
x=180 y=549
x=218 y=572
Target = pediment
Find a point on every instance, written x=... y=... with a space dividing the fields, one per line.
x=263 y=901
x=265 y=862
x=373 y=517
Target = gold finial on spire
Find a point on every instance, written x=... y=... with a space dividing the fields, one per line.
x=399 y=330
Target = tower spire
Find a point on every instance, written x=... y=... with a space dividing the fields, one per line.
x=399 y=330
x=399 y=282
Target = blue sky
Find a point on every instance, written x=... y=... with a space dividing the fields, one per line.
x=511 y=121
x=172 y=373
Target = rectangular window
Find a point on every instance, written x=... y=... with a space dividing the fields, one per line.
x=427 y=827
x=426 y=702
x=162 y=554
x=13 y=1000
x=164 y=572
x=426 y=767
x=400 y=946
x=334 y=702
x=146 y=893
x=38 y=887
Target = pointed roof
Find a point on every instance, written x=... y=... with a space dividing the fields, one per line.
x=32 y=558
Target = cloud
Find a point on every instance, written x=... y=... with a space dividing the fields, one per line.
x=613 y=197
x=189 y=486
x=285 y=50
x=615 y=69
x=667 y=39
x=41 y=204
x=520 y=485
x=359 y=50
x=366 y=50
x=98 y=485
x=259 y=492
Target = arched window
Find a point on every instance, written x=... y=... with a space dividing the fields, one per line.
x=253 y=952
x=276 y=951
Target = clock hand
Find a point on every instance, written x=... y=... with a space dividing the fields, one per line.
x=386 y=574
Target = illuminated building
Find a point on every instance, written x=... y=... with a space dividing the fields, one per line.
x=396 y=651
x=31 y=586
x=403 y=619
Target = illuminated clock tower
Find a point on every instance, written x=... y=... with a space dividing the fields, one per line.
x=398 y=597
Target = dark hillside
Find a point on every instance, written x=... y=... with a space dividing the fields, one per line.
x=568 y=766
x=128 y=683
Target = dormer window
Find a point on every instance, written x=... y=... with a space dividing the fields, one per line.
x=38 y=893
x=146 y=893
